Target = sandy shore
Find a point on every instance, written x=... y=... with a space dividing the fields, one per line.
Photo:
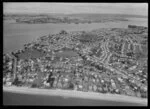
x=75 y=94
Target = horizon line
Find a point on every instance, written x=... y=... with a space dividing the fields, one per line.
x=72 y=13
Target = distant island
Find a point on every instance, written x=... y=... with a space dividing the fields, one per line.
x=67 y=18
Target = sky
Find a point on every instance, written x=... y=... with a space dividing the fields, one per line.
x=71 y=8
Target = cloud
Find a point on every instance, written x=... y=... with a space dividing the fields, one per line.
x=127 y=8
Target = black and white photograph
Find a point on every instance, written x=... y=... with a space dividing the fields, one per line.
x=75 y=54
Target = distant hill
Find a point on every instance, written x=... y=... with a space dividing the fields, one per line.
x=77 y=15
x=68 y=18
x=92 y=15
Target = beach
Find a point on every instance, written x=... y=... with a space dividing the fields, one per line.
x=11 y=96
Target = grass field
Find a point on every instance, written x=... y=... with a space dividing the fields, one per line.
x=29 y=53
x=32 y=53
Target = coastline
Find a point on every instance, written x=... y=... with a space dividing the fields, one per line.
x=75 y=94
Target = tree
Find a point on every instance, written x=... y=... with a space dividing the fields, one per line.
x=5 y=70
x=139 y=55
x=63 y=32
x=71 y=86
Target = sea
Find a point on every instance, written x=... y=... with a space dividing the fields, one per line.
x=11 y=98
x=15 y=35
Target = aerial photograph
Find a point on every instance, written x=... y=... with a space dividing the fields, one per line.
x=75 y=54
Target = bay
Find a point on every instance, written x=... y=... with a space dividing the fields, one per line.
x=16 y=35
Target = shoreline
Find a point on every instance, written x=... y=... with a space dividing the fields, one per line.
x=75 y=94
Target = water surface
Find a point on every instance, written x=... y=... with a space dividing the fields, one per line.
x=10 y=98
x=16 y=35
